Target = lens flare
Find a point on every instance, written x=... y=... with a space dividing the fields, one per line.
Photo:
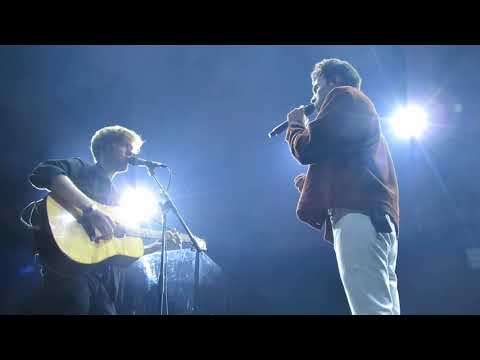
x=409 y=122
x=137 y=206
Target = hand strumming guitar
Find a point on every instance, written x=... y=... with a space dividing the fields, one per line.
x=92 y=219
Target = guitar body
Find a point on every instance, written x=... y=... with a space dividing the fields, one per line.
x=66 y=247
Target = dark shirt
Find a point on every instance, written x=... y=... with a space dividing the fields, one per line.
x=350 y=166
x=89 y=178
x=93 y=182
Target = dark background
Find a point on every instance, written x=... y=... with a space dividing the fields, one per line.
x=205 y=111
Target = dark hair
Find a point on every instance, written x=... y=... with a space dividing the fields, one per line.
x=331 y=68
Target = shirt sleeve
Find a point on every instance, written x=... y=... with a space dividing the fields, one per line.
x=44 y=173
x=344 y=125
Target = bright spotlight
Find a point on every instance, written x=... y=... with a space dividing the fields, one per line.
x=409 y=122
x=137 y=206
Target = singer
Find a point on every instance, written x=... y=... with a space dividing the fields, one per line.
x=350 y=191
x=70 y=180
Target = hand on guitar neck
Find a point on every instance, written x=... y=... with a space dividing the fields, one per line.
x=171 y=235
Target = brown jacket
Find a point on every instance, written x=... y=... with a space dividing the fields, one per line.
x=350 y=166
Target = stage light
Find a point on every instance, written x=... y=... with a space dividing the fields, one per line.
x=137 y=206
x=409 y=122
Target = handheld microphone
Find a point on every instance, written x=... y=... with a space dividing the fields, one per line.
x=308 y=109
x=136 y=161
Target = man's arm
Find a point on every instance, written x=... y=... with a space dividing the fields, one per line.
x=64 y=189
x=340 y=125
x=54 y=175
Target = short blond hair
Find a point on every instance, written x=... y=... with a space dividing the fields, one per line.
x=112 y=134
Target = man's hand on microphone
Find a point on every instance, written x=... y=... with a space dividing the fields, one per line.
x=296 y=116
x=299 y=181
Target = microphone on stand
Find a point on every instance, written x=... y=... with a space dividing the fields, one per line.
x=308 y=110
x=136 y=161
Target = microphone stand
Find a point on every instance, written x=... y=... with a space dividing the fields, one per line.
x=169 y=205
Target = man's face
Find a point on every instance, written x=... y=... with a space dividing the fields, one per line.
x=320 y=89
x=117 y=154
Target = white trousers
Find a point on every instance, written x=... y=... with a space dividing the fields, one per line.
x=366 y=262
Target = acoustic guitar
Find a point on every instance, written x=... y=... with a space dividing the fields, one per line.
x=68 y=245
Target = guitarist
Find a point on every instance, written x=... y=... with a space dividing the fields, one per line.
x=74 y=182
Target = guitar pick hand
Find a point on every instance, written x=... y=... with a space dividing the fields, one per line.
x=96 y=219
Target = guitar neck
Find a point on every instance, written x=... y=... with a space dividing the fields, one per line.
x=177 y=238
x=146 y=233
